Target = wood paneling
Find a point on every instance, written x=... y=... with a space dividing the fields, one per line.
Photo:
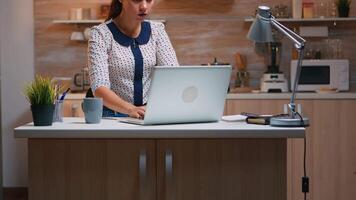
x=330 y=162
x=46 y=177
x=199 y=31
x=334 y=162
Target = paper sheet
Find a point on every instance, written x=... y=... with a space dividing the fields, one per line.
x=233 y=118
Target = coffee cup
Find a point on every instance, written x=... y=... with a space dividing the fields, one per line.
x=93 y=110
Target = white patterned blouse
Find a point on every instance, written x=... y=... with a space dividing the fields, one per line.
x=124 y=64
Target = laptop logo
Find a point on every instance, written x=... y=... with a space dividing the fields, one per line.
x=190 y=94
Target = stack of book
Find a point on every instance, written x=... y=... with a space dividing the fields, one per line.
x=252 y=118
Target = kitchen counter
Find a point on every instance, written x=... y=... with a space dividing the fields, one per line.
x=111 y=128
x=94 y=161
x=300 y=95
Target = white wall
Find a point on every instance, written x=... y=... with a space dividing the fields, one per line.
x=17 y=69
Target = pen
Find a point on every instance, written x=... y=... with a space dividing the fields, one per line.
x=64 y=94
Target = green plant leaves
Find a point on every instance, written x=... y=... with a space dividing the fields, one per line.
x=41 y=91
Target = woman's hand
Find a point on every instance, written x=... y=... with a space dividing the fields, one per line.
x=137 y=111
x=114 y=102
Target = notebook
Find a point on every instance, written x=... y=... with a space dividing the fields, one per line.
x=185 y=94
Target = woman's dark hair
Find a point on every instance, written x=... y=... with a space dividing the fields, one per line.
x=115 y=9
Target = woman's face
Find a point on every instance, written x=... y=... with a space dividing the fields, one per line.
x=137 y=9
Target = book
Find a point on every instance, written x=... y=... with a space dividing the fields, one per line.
x=252 y=118
x=263 y=120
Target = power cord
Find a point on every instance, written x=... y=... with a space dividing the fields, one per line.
x=305 y=179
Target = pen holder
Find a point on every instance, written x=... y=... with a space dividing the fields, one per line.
x=58 y=111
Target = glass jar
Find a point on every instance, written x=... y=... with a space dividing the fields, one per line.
x=308 y=10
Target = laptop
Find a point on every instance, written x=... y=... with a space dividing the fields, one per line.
x=185 y=94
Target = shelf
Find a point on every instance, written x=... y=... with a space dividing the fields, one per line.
x=94 y=21
x=214 y=18
x=89 y=21
x=334 y=19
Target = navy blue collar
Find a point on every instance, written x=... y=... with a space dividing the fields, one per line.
x=125 y=40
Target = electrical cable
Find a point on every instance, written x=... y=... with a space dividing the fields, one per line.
x=305 y=155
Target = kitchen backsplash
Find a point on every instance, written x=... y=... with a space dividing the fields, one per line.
x=199 y=31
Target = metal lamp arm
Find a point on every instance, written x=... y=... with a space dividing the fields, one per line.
x=299 y=41
x=299 y=45
x=296 y=81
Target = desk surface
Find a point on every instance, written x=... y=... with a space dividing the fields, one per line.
x=110 y=128
x=236 y=96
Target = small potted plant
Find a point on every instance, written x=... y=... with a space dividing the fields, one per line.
x=343 y=7
x=41 y=93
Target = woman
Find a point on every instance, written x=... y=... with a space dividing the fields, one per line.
x=122 y=52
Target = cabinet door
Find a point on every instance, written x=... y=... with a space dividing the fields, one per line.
x=67 y=169
x=220 y=169
x=131 y=170
x=92 y=169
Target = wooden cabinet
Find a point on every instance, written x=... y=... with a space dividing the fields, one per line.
x=226 y=169
x=161 y=169
x=131 y=170
x=92 y=169
x=205 y=169
x=331 y=138
x=61 y=169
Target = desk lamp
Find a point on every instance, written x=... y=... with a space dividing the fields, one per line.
x=261 y=31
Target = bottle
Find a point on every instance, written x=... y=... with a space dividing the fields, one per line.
x=297 y=9
x=308 y=9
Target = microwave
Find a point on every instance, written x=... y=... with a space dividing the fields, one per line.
x=323 y=73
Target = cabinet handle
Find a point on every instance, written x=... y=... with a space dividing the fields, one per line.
x=169 y=185
x=142 y=163
x=142 y=167
x=169 y=163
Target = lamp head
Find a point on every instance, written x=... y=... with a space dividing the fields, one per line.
x=261 y=28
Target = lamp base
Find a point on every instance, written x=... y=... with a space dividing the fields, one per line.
x=288 y=121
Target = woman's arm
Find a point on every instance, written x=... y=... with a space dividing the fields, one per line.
x=114 y=102
x=99 y=76
x=166 y=56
